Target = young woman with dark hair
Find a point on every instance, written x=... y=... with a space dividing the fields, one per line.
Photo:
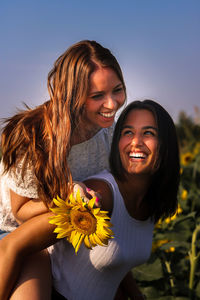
x=162 y=198
x=144 y=147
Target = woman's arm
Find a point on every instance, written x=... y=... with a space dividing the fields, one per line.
x=24 y=208
x=34 y=235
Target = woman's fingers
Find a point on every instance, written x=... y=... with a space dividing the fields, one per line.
x=86 y=193
x=96 y=195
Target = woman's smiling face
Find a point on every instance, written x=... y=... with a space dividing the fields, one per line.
x=138 y=144
x=106 y=96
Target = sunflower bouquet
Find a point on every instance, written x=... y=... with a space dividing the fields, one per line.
x=80 y=221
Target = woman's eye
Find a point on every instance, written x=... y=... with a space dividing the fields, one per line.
x=149 y=132
x=118 y=90
x=96 y=97
x=127 y=132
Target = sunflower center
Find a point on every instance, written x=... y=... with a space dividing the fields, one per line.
x=188 y=158
x=83 y=221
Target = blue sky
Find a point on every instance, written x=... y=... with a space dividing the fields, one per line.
x=157 y=43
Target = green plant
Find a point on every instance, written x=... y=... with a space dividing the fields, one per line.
x=173 y=270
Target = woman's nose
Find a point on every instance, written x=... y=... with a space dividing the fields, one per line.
x=110 y=103
x=137 y=140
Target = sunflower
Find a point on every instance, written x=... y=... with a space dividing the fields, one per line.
x=78 y=222
x=187 y=158
x=178 y=211
x=171 y=249
x=184 y=194
x=158 y=244
x=196 y=149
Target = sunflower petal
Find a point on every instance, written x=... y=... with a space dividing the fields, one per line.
x=87 y=242
x=59 y=202
x=91 y=202
x=98 y=240
x=79 y=243
x=75 y=239
x=61 y=235
x=92 y=240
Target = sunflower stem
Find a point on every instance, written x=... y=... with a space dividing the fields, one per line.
x=193 y=258
x=168 y=267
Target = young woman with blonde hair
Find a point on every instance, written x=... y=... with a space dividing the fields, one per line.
x=65 y=139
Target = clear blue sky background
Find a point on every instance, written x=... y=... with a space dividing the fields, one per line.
x=157 y=43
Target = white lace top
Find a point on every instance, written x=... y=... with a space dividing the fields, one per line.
x=85 y=159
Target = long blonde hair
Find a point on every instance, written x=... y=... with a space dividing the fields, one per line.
x=41 y=136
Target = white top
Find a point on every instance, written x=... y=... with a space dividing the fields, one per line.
x=85 y=159
x=96 y=274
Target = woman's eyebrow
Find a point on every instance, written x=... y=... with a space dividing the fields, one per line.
x=145 y=127
x=118 y=85
x=127 y=126
x=150 y=127
x=96 y=92
x=99 y=92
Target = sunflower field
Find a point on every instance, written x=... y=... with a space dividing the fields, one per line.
x=173 y=270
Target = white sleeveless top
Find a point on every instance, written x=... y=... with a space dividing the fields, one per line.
x=96 y=274
x=85 y=159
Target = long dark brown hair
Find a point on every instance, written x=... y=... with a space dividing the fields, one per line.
x=162 y=194
x=40 y=137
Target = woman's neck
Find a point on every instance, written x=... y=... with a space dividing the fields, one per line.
x=133 y=190
x=83 y=133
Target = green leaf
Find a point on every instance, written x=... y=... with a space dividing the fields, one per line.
x=151 y=292
x=149 y=272
x=183 y=218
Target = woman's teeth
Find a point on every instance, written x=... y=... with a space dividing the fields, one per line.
x=137 y=155
x=108 y=115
